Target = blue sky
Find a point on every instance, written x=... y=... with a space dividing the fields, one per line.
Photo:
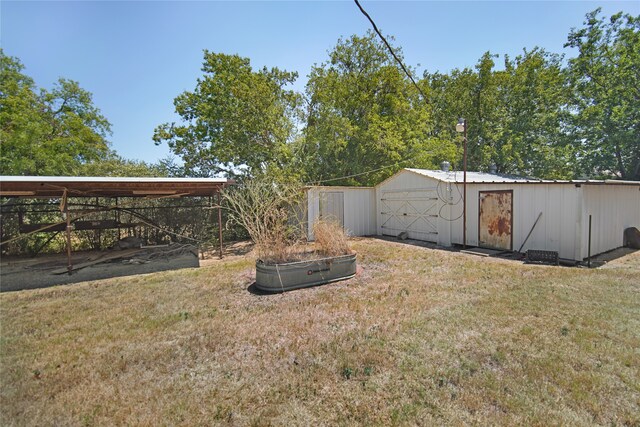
x=135 y=57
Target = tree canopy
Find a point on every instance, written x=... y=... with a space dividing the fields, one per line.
x=47 y=132
x=514 y=116
x=236 y=120
x=360 y=118
x=363 y=114
x=605 y=82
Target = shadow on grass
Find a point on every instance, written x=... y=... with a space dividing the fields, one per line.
x=597 y=260
x=19 y=276
x=253 y=289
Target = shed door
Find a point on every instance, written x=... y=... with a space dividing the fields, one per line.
x=495 y=228
x=332 y=206
x=414 y=211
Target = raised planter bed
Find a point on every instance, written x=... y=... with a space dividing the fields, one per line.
x=302 y=274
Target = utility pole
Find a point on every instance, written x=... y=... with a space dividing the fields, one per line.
x=462 y=127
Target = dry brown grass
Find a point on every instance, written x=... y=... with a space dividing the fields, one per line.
x=419 y=337
x=330 y=238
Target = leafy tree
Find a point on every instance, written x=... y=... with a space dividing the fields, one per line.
x=606 y=80
x=514 y=116
x=362 y=115
x=237 y=120
x=50 y=132
x=115 y=165
x=534 y=140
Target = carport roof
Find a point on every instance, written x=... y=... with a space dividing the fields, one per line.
x=82 y=186
x=492 y=178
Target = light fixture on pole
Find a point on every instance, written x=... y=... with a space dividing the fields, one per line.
x=461 y=127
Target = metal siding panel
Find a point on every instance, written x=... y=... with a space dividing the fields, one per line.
x=569 y=220
x=358 y=211
x=444 y=219
x=554 y=207
x=539 y=204
x=350 y=212
x=613 y=208
x=550 y=224
x=373 y=217
x=313 y=202
x=554 y=231
x=578 y=225
x=332 y=206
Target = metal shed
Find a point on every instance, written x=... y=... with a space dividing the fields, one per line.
x=352 y=207
x=501 y=210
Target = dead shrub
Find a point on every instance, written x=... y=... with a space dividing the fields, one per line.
x=267 y=210
x=331 y=239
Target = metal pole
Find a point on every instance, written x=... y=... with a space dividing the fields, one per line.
x=464 y=185
x=99 y=232
x=220 y=221
x=68 y=232
x=589 y=254
x=118 y=219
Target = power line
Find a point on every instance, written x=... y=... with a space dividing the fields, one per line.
x=375 y=28
x=359 y=174
x=399 y=162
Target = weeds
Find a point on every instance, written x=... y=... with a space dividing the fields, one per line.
x=331 y=239
x=271 y=213
x=347 y=373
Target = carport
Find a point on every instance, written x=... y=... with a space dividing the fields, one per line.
x=112 y=188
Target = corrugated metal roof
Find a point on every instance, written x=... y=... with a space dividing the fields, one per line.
x=457 y=176
x=114 y=179
x=493 y=178
x=82 y=186
x=337 y=187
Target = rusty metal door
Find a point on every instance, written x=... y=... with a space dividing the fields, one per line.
x=495 y=225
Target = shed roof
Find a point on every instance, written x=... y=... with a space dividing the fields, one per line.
x=494 y=178
x=83 y=186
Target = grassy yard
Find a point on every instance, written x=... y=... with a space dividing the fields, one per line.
x=419 y=337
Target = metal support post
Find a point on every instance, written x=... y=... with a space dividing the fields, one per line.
x=220 y=221
x=464 y=203
x=65 y=209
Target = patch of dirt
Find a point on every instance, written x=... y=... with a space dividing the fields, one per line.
x=620 y=258
x=230 y=251
x=32 y=273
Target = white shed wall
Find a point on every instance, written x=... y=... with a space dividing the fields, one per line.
x=408 y=182
x=612 y=208
x=557 y=229
x=359 y=209
x=563 y=226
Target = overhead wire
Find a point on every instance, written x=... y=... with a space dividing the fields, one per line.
x=437 y=101
x=388 y=45
x=446 y=202
x=355 y=174
x=410 y=76
x=397 y=163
